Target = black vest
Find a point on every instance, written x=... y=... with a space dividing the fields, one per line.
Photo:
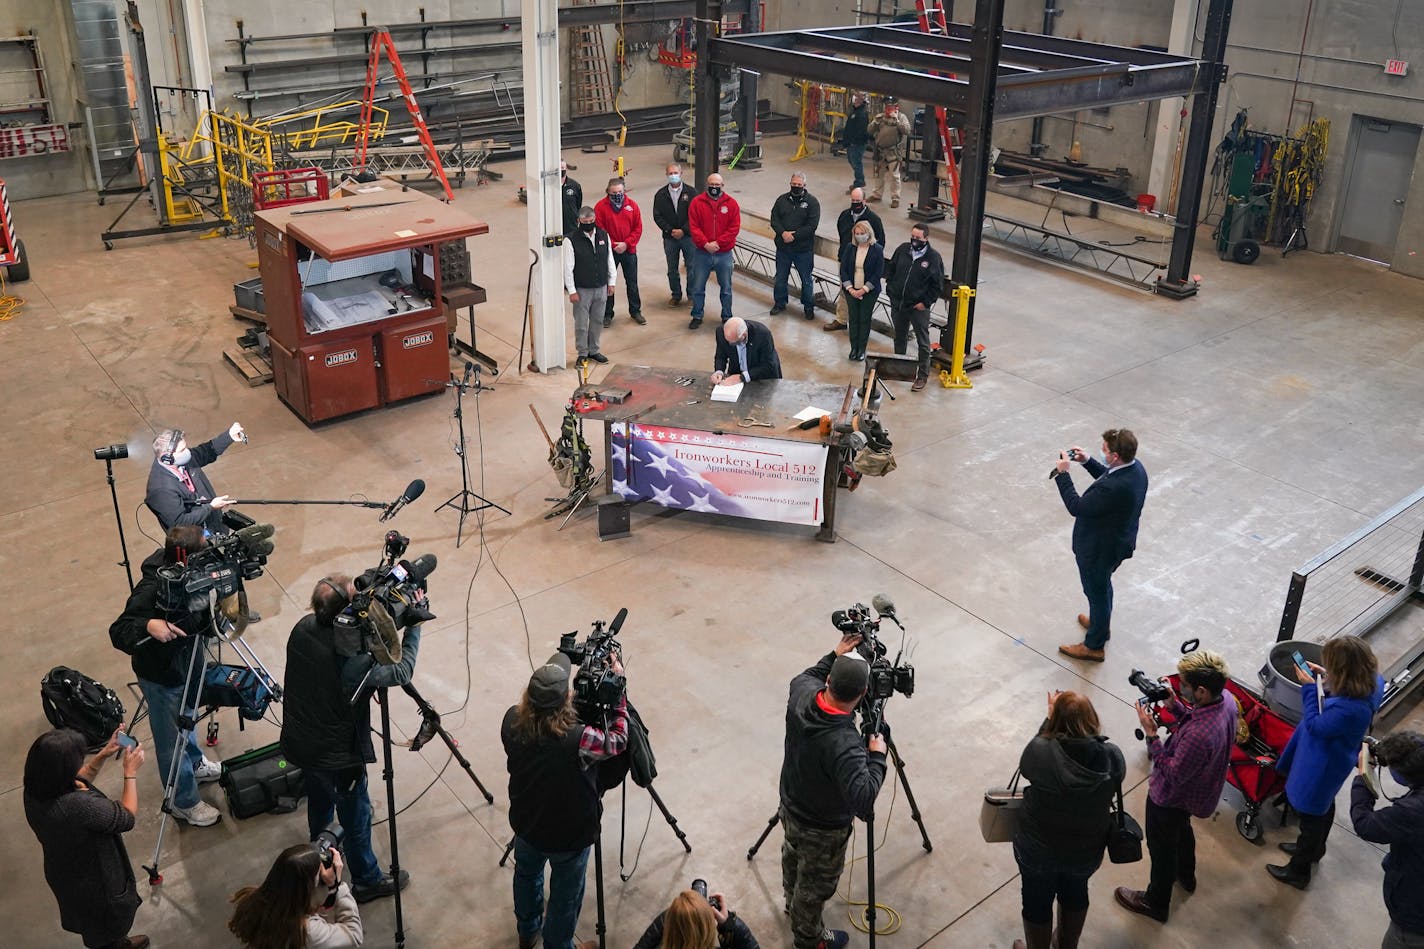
x=553 y=803
x=590 y=258
x=320 y=728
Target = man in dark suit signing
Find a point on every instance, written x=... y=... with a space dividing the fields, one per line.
x=1105 y=520
x=745 y=351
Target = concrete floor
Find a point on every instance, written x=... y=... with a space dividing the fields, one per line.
x=1276 y=412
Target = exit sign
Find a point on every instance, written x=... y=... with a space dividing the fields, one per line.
x=1396 y=67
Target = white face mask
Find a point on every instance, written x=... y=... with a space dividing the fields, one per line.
x=181 y=457
x=862 y=238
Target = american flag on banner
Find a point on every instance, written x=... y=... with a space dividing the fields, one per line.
x=658 y=475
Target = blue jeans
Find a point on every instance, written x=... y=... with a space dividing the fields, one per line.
x=802 y=261
x=163 y=702
x=855 y=154
x=1096 y=577
x=567 y=872
x=672 y=250
x=705 y=264
x=344 y=794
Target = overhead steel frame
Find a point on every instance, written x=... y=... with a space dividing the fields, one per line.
x=1010 y=75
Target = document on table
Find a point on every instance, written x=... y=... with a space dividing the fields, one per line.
x=732 y=393
x=810 y=412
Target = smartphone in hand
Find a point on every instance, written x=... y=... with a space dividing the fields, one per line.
x=127 y=741
x=1301 y=665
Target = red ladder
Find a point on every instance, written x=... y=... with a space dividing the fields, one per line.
x=381 y=39
x=932 y=21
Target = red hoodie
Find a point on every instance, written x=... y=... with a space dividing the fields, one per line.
x=624 y=226
x=719 y=221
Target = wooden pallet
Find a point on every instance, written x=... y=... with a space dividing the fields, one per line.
x=252 y=366
x=251 y=316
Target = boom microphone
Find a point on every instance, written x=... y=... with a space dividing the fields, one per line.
x=412 y=491
x=885 y=607
x=617 y=623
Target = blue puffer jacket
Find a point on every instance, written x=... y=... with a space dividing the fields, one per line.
x=1325 y=747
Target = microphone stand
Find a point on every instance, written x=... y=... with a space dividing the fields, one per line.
x=119 y=519
x=466 y=501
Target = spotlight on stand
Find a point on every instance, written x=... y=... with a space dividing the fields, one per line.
x=108 y=455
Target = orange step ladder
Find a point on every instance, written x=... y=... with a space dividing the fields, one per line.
x=381 y=40
x=932 y=21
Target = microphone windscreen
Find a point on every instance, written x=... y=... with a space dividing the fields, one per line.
x=414 y=490
x=617 y=623
x=255 y=533
x=423 y=567
x=883 y=604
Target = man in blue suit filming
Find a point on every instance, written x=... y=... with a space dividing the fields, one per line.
x=1105 y=520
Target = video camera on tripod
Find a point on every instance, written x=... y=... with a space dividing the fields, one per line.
x=886 y=677
x=597 y=687
x=389 y=597
x=219 y=568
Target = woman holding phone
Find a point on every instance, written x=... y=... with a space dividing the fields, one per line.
x=1325 y=746
x=80 y=831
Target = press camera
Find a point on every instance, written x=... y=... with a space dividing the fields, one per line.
x=886 y=677
x=597 y=688
x=219 y=568
x=389 y=597
x=1153 y=690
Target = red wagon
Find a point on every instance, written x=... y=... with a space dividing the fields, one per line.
x=1251 y=768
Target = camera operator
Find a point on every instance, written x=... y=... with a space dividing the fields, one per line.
x=696 y=920
x=161 y=644
x=1401 y=826
x=326 y=729
x=554 y=804
x=1188 y=773
x=828 y=778
x=285 y=911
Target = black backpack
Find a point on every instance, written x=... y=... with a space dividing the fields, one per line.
x=73 y=700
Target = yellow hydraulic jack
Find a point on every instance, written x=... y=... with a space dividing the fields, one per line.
x=955 y=376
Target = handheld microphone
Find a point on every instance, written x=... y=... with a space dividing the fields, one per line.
x=886 y=607
x=412 y=491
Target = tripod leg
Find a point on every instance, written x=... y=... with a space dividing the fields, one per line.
x=775 y=819
x=600 y=927
x=910 y=796
x=870 y=876
x=390 y=777
x=672 y=821
x=430 y=716
x=196 y=663
x=508 y=849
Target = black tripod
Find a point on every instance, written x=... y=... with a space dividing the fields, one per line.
x=429 y=727
x=188 y=717
x=467 y=501
x=894 y=754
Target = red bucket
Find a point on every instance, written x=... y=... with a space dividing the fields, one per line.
x=1146 y=202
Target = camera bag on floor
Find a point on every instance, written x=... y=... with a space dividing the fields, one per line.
x=73 y=700
x=261 y=781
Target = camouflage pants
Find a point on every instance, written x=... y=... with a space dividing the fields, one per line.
x=811 y=864
x=890 y=165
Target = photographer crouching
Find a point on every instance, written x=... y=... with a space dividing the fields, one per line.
x=1401 y=826
x=554 y=806
x=331 y=675
x=829 y=777
x=161 y=643
x=285 y=911
x=697 y=920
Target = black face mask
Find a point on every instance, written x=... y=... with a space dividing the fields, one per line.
x=797 y=191
x=588 y=226
x=713 y=191
x=857 y=206
x=917 y=244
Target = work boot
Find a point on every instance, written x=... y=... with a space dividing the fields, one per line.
x=637 y=317
x=1083 y=652
x=834 y=325
x=1070 y=928
x=608 y=321
x=386 y=886
x=919 y=383
x=530 y=942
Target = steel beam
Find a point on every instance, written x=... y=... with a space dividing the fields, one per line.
x=641 y=11
x=1178 y=283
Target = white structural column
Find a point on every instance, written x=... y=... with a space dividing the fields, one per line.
x=540 y=36
x=1171 y=126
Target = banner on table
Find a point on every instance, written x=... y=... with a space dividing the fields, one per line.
x=765 y=478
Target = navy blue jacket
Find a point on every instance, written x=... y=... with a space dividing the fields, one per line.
x=1401 y=826
x=1106 y=515
x=874 y=267
x=762 y=361
x=1325 y=747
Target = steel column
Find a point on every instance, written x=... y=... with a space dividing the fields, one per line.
x=1036 y=145
x=974 y=167
x=747 y=105
x=707 y=92
x=1178 y=283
